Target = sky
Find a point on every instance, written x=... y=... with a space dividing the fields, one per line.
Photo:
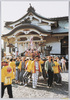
x=13 y=10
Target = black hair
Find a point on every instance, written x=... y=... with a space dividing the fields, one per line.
x=29 y=49
x=44 y=59
x=14 y=59
x=59 y=58
x=37 y=56
x=11 y=59
x=7 y=58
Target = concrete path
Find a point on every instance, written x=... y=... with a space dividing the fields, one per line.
x=57 y=91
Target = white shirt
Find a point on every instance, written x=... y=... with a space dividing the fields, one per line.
x=63 y=61
x=37 y=66
x=26 y=65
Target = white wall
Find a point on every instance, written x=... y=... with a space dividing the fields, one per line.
x=7 y=50
x=21 y=48
x=56 y=47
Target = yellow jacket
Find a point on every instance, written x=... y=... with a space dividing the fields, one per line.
x=29 y=66
x=33 y=67
x=13 y=65
x=41 y=61
x=7 y=75
x=2 y=75
x=56 y=68
x=19 y=67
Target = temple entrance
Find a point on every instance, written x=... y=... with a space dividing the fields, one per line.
x=64 y=46
x=64 y=50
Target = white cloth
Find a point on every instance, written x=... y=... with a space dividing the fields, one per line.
x=35 y=75
x=35 y=78
x=63 y=61
x=37 y=66
x=26 y=65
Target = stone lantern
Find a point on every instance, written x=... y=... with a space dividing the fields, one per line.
x=47 y=50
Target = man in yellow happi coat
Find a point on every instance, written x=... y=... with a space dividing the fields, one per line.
x=27 y=70
x=12 y=64
x=57 y=69
x=36 y=68
x=41 y=61
x=6 y=79
x=28 y=65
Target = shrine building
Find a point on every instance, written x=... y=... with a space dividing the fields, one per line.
x=46 y=33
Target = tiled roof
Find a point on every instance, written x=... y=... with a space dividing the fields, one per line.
x=25 y=26
x=31 y=10
x=60 y=30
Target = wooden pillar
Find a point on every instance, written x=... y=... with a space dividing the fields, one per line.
x=16 y=48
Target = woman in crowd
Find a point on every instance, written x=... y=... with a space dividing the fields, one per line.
x=63 y=61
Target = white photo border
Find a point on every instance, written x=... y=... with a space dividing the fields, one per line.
x=68 y=44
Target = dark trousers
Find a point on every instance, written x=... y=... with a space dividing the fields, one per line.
x=9 y=90
x=44 y=73
x=50 y=78
x=21 y=75
x=57 y=78
x=17 y=75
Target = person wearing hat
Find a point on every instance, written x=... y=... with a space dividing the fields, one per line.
x=27 y=71
x=4 y=63
x=6 y=79
x=36 y=68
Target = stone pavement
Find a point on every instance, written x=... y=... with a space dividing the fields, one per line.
x=57 y=91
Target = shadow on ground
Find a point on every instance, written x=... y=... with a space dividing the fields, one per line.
x=57 y=89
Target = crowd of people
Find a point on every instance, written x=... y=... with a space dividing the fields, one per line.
x=27 y=69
